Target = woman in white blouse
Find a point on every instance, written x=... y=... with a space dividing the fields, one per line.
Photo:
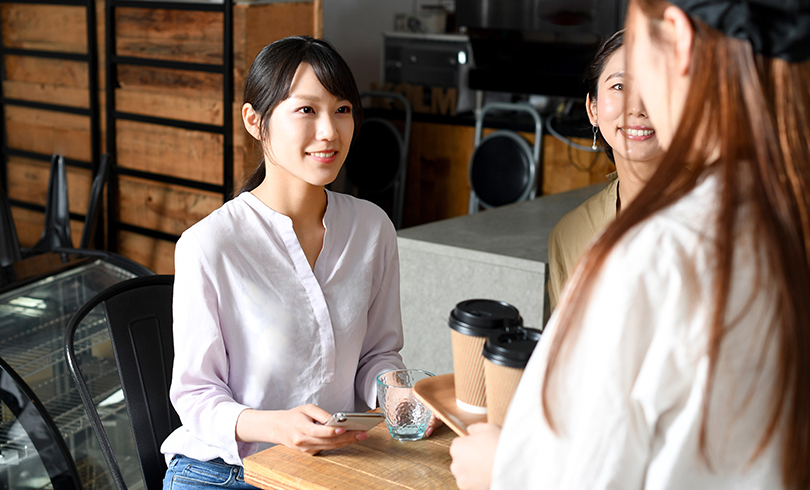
x=286 y=303
x=680 y=358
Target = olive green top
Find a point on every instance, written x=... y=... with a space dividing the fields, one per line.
x=574 y=232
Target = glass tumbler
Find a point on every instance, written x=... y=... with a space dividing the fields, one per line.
x=405 y=416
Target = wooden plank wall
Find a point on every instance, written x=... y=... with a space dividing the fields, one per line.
x=64 y=82
x=191 y=37
x=164 y=34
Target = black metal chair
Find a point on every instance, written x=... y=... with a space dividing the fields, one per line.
x=503 y=168
x=57 y=211
x=56 y=233
x=9 y=244
x=378 y=161
x=139 y=319
x=94 y=205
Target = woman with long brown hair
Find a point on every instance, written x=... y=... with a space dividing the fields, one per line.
x=680 y=358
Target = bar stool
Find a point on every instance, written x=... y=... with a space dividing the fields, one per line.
x=503 y=168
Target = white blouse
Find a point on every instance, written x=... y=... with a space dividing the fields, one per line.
x=628 y=396
x=256 y=327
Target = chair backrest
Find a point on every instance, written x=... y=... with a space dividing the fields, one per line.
x=57 y=210
x=139 y=318
x=9 y=245
x=504 y=168
x=94 y=204
x=377 y=163
x=56 y=233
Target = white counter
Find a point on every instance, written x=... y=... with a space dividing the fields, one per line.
x=499 y=254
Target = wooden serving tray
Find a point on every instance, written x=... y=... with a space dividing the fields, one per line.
x=439 y=394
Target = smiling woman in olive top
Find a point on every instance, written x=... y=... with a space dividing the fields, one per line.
x=621 y=124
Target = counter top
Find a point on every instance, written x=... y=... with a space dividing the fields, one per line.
x=499 y=254
x=518 y=230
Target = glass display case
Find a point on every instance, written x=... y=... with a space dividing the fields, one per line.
x=45 y=437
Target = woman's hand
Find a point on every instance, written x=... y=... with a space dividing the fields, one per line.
x=299 y=428
x=473 y=456
x=433 y=424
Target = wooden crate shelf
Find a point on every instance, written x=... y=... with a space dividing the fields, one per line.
x=162 y=207
x=44 y=27
x=189 y=37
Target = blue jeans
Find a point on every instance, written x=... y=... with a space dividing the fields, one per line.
x=186 y=473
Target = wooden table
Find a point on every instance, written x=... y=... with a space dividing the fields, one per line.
x=379 y=462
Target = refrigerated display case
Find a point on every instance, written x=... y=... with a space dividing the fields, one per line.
x=45 y=437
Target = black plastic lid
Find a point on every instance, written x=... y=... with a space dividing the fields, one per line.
x=513 y=347
x=479 y=317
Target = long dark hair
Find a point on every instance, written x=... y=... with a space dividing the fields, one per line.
x=595 y=70
x=759 y=128
x=270 y=77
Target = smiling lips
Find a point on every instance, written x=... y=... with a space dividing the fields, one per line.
x=639 y=133
x=323 y=156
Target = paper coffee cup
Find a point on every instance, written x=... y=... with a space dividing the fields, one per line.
x=472 y=322
x=505 y=357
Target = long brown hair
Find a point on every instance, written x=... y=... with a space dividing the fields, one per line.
x=747 y=118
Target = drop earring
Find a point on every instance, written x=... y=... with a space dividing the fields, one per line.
x=595 y=130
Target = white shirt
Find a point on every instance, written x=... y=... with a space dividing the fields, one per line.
x=256 y=327
x=628 y=395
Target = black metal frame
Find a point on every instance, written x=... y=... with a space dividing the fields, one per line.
x=120 y=324
x=397 y=184
x=226 y=129
x=40 y=428
x=92 y=111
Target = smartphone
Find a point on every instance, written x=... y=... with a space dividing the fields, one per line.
x=355 y=420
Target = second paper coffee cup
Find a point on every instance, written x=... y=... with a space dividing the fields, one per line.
x=471 y=323
x=505 y=357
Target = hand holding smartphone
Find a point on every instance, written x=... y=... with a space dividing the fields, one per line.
x=355 y=420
